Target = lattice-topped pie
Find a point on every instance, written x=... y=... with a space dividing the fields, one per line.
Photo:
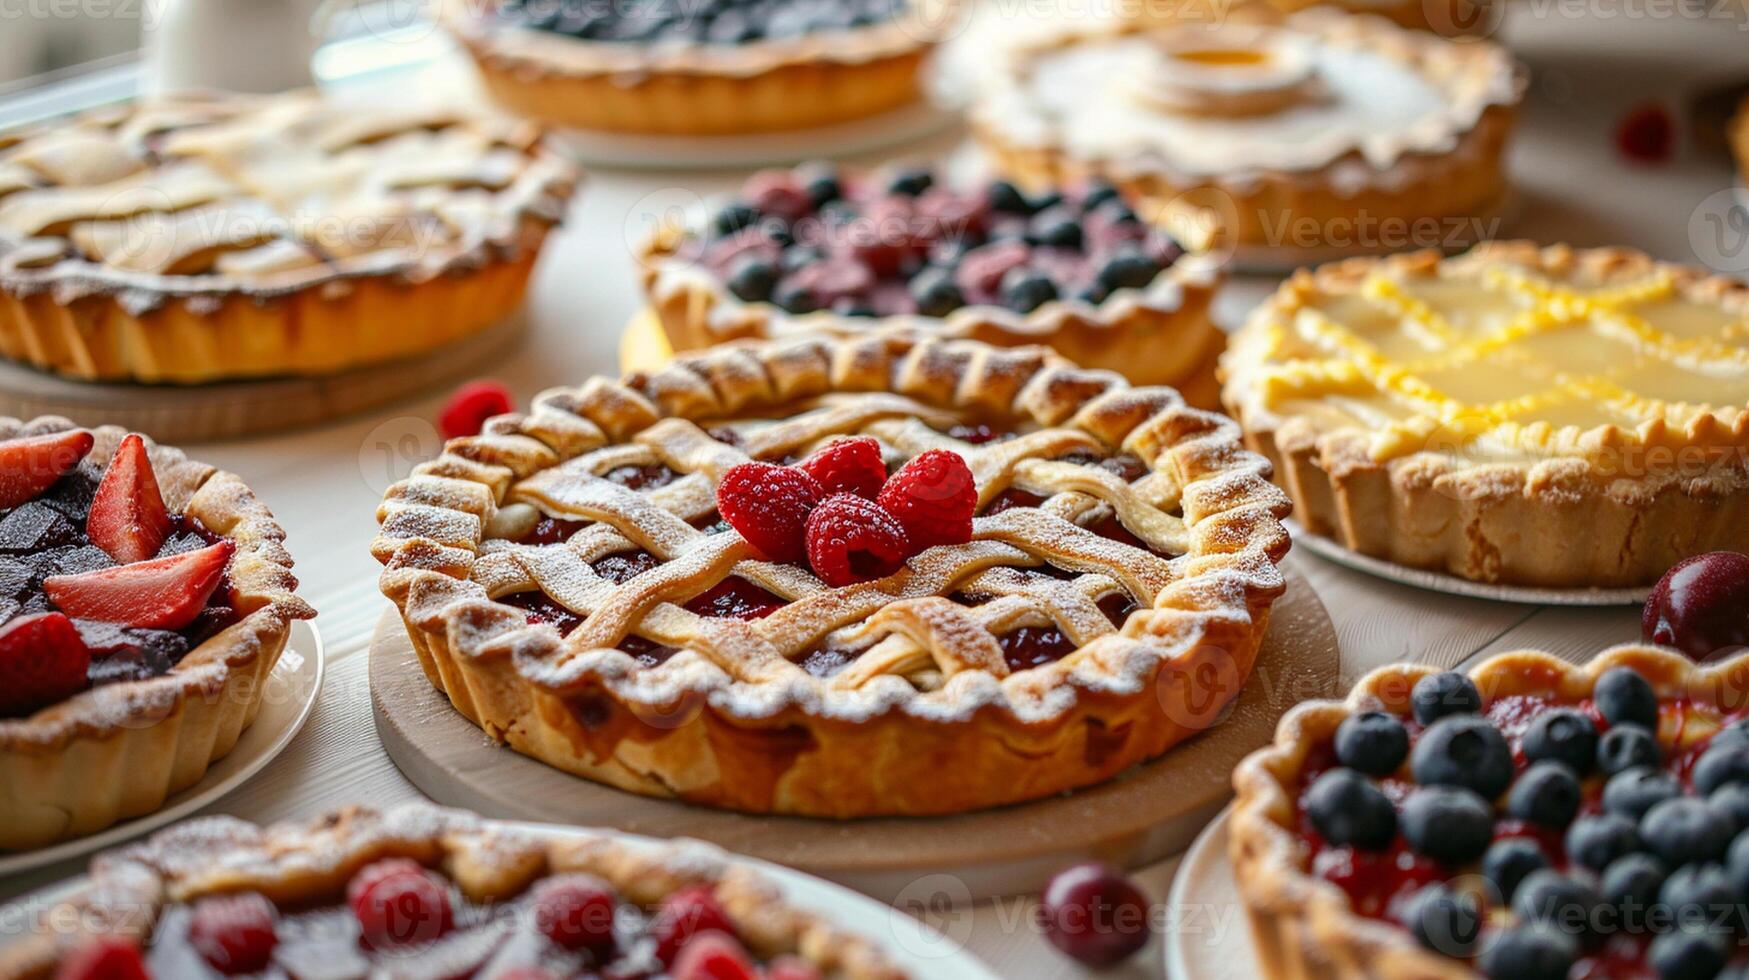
x=719 y=67
x=189 y=238
x=812 y=577
x=1317 y=130
x=144 y=599
x=819 y=249
x=421 y=892
x=1535 y=416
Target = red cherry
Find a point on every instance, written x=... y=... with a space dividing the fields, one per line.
x=1647 y=134
x=234 y=933
x=1700 y=606
x=685 y=914
x=105 y=958
x=713 y=956
x=466 y=411
x=576 y=911
x=778 y=193
x=1095 y=915
x=399 y=903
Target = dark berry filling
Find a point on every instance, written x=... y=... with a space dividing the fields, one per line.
x=47 y=536
x=812 y=239
x=704 y=21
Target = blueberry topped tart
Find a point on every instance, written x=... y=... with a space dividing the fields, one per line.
x=1530 y=819
x=714 y=67
x=819 y=249
x=143 y=600
x=419 y=891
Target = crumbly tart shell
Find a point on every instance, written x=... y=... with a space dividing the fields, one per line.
x=1564 y=522
x=306 y=863
x=208 y=334
x=703 y=90
x=1307 y=209
x=1162 y=334
x=119 y=751
x=1305 y=926
x=686 y=729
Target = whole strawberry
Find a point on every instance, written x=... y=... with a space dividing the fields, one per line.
x=934 y=497
x=769 y=505
x=848 y=466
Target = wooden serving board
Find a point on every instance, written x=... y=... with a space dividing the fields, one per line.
x=1149 y=813
x=235 y=409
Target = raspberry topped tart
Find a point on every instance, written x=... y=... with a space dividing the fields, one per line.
x=1316 y=130
x=711 y=68
x=144 y=599
x=1522 y=415
x=422 y=892
x=809 y=577
x=817 y=249
x=1533 y=820
x=189 y=238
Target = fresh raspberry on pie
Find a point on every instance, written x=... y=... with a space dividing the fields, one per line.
x=42 y=662
x=686 y=913
x=466 y=411
x=849 y=466
x=399 y=903
x=576 y=911
x=769 y=505
x=851 y=540
x=714 y=956
x=164 y=593
x=234 y=933
x=778 y=193
x=32 y=465
x=934 y=497
x=105 y=958
x=128 y=519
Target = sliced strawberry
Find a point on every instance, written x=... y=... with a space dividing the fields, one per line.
x=128 y=519
x=31 y=465
x=164 y=593
x=42 y=662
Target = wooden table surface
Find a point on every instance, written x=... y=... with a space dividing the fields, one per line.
x=324 y=484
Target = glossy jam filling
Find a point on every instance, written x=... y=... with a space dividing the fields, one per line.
x=1380 y=884
x=46 y=537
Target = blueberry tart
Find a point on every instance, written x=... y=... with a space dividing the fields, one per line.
x=817 y=249
x=1320 y=130
x=419 y=891
x=144 y=599
x=810 y=576
x=713 y=68
x=1531 y=818
x=199 y=237
x=1550 y=417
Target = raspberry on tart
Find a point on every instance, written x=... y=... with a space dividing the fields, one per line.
x=423 y=892
x=851 y=252
x=713 y=68
x=1050 y=545
x=1553 y=820
x=143 y=599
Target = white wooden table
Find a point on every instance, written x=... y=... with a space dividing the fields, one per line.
x=324 y=484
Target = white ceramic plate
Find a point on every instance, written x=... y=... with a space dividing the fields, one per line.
x=1421 y=578
x=923 y=954
x=286 y=704
x=1212 y=938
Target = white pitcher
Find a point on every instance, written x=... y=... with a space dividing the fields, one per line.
x=230 y=45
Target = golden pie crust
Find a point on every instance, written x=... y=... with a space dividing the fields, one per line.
x=1305 y=926
x=732 y=720
x=118 y=751
x=1739 y=136
x=1162 y=334
x=1232 y=147
x=1531 y=416
x=310 y=863
x=767 y=86
x=192 y=238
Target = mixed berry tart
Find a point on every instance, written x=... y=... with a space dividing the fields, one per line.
x=809 y=577
x=820 y=249
x=422 y=892
x=1319 y=130
x=144 y=599
x=194 y=237
x=717 y=67
x=1530 y=819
